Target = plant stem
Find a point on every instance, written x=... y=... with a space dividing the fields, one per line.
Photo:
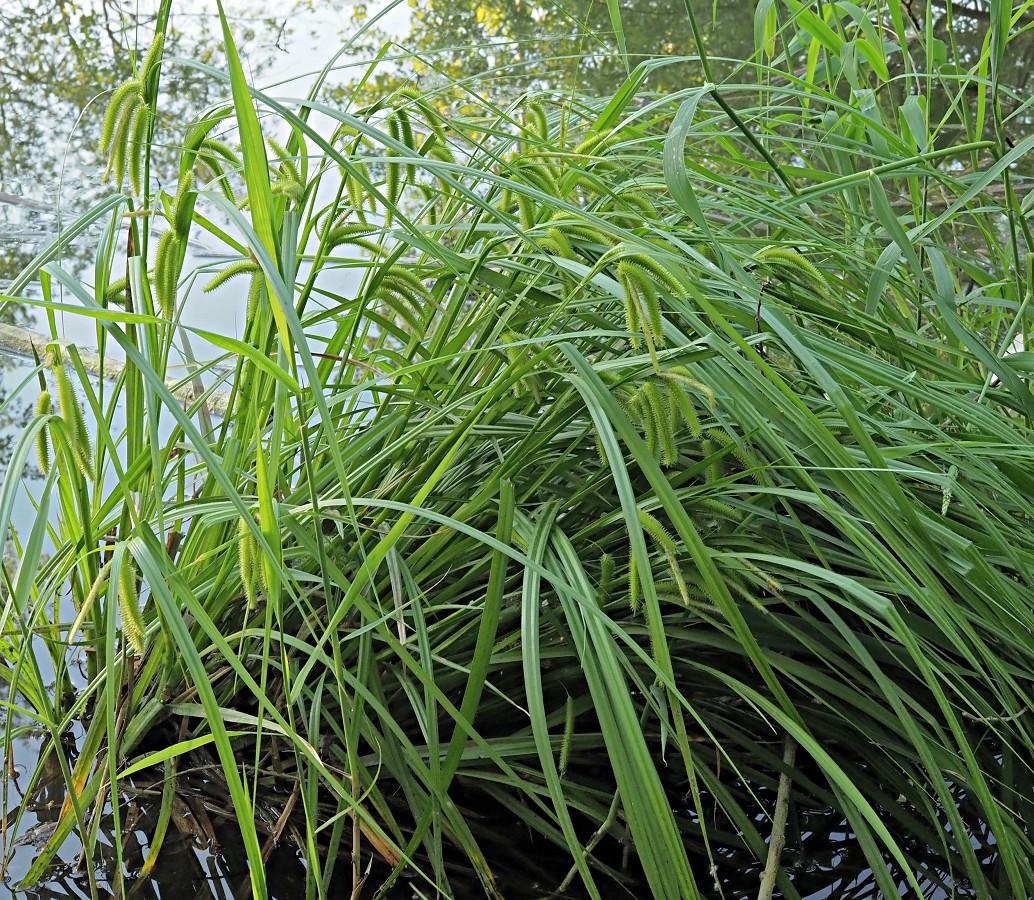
x=775 y=845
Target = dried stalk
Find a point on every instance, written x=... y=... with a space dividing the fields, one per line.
x=775 y=845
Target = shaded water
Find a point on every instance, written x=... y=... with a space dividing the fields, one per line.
x=38 y=195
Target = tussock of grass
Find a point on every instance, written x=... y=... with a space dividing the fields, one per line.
x=635 y=454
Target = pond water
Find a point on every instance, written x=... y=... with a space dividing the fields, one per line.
x=49 y=174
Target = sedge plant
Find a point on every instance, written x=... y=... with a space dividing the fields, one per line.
x=611 y=465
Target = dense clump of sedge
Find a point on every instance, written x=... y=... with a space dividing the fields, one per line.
x=168 y=259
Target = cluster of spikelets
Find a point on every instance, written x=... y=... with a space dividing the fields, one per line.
x=787 y=263
x=288 y=181
x=574 y=177
x=399 y=290
x=430 y=143
x=677 y=588
x=171 y=249
x=133 y=625
x=662 y=539
x=661 y=405
x=669 y=569
x=124 y=138
x=580 y=175
x=411 y=140
x=611 y=583
x=640 y=276
x=217 y=160
x=127 y=125
x=172 y=245
x=65 y=429
x=64 y=433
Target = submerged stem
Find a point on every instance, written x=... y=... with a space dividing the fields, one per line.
x=775 y=845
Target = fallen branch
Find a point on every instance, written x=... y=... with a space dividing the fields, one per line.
x=775 y=844
x=22 y=342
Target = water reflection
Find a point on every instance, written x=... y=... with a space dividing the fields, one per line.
x=61 y=60
x=505 y=48
x=202 y=855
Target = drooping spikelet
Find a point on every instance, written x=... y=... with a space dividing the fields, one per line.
x=664 y=418
x=153 y=58
x=129 y=605
x=43 y=408
x=127 y=123
x=241 y=267
x=565 y=744
x=608 y=569
x=643 y=297
x=127 y=94
x=255 y=289
x=166 y=272
x=535 y=121
x=72 y=413
x=792 y=262
x=658 y=533
x=635 y=597
x=249 y=561
x=139 y=131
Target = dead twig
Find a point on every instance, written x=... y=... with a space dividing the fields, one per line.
x=775 y=844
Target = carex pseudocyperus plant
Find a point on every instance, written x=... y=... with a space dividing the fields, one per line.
x=642 y=471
